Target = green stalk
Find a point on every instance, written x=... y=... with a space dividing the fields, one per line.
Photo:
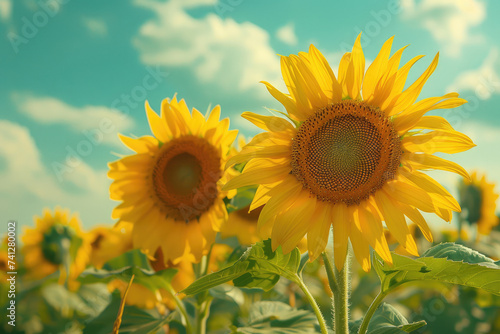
x=371 y=310
x=332 y=282
x=202 y=313
x=341 y=299
x=314 y=305
x=182 y=309
x=204 y=300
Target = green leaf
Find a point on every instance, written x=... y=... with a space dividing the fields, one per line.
x=474 y=270
x=457 y=252
x=148 y=278
x=134 y=320
x=89 y=300
x=258 y=267
x=388 y=320
x=278 y=318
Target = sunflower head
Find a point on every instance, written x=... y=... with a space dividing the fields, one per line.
x=55 y=243
x=478 y=201
x=169 y=189
x=109 y=242
x=350 y=154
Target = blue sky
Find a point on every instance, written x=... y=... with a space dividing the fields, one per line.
x=74 y=74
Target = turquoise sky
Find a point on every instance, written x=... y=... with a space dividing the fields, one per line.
x=75 y=73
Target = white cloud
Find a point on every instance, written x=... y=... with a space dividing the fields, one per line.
x=86 y=120
x=286 y=34
x=233 y=56
x=5 y=10
x=449 y=21
x=31 y=186
x=96 y=26
x=484 y=81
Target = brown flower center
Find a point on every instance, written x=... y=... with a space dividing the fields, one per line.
x=185 y=177
x=345 y=152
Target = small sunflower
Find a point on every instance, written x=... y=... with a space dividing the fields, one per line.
x=478 y=197
x=4 y=261
x=109 y=242
x=56 y=240
x=143 y=297
x=169 y=189
x=350 y=155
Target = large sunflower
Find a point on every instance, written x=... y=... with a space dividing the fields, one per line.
x=169 y=188
x=478 y=197
x=350 y=155
x=56 y=241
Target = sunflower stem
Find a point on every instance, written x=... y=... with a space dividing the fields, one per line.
x=314 y=305
x=202 y=312
x=371 y=310
x=204 y=300
x=341 y=298
x=182 y=309
x=332 y=282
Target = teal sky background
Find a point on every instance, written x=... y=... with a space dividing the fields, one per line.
x=75 y=73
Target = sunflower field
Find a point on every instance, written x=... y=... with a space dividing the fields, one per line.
x=342 y=206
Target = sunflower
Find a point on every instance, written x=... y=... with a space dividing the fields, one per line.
x=143 y=297
x=478 y=197
x=4 y=261
x=169 y=188
x=350 y=155
x=56 y=241
x=109 y=242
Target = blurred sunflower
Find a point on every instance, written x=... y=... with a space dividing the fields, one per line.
x=351 y=155
x=169 y=188
x=142 y=297
x=55 y=243
x=4 y=261
x=109 y=242
x=478 y=198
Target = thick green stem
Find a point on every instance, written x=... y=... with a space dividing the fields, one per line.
x=371 y=310
x=314 y=305
x=341 y=299
x=202 y=313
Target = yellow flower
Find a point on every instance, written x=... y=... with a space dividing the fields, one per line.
x=351 y=155
x=109 y=242
x=169 y=188
x=479 y=198
x=56 y=239
x=143 y=297
x=243 y=225
x=4 y=260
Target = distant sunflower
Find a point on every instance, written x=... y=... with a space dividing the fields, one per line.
x=478 y=197
x=351 y=154
x=109 y=242
x=56 y=240
x=143 y=297
x=169 y=188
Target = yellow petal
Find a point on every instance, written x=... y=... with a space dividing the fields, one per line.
x=406 y=98
x=342 y=220
x=291 y=225
x=268 y=123
x=371 y=227
x=158 y=128
x=319 y=230
x=376 y=69
x=360 y=246
x=395 y=221
x=427 y=161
